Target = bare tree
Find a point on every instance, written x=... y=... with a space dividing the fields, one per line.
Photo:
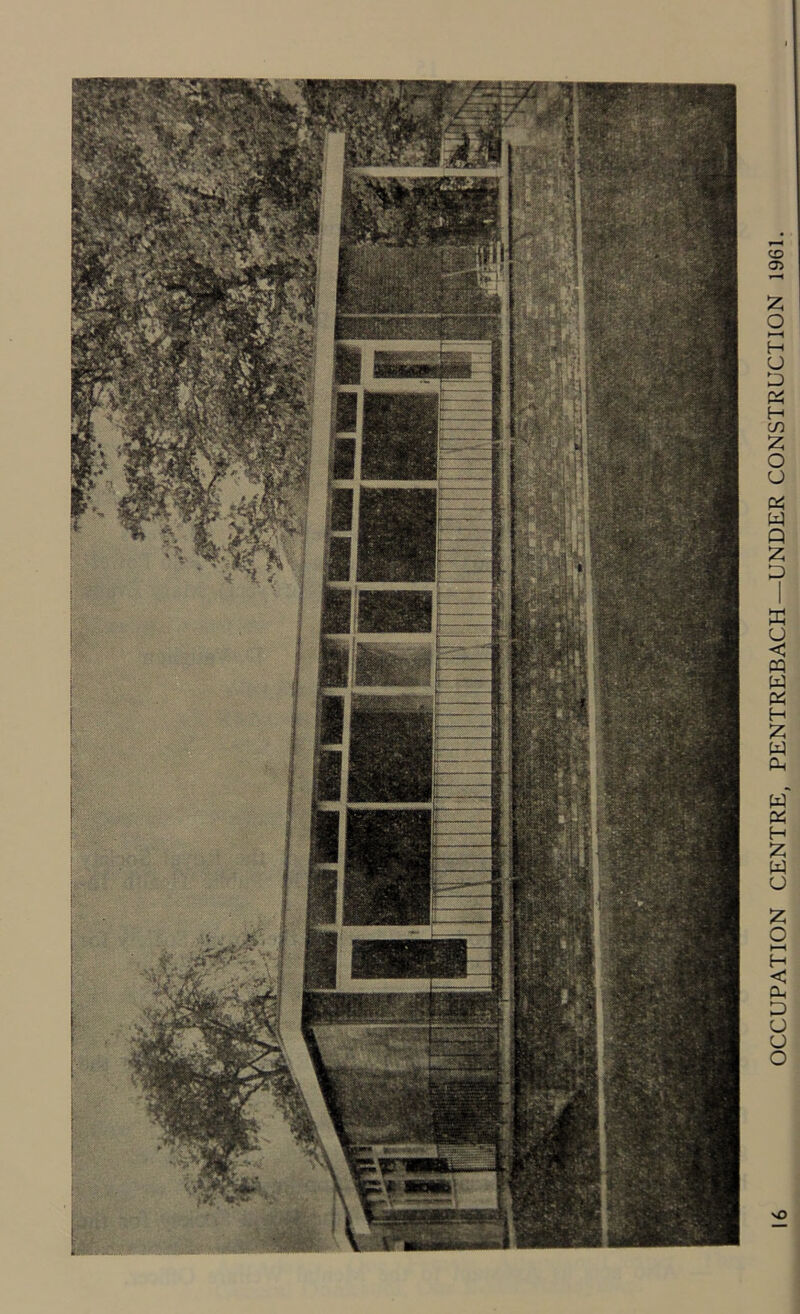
x=202 y=1050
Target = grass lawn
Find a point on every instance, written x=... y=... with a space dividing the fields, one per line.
x=658 y=218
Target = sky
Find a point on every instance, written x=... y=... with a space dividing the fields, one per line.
x=181 y=716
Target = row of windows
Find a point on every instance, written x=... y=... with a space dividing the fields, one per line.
x=372 y=847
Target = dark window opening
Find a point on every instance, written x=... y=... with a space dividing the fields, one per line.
x=390 y=611
x=342 y=508
x=387 y=868
x=417 y=1165
x=422 y=365
x=336 y=618
x=326 y=847
x=321 y=960
x=392 y=664
x=322 y=896
x=409 y=959
x=346 y=410
x=400 y=435
x=339 y=559
x=391 y=749
x=348 y=364
x=331 y=719
x=397 y=534
x=426 y=1165
x=344 y=458
x=333 y=669
x=329 y=777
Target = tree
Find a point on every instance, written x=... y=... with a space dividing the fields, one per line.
x=194 y=241
x=202 y=1051
x=192 y=293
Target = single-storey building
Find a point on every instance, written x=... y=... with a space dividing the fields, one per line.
x=394 y=1002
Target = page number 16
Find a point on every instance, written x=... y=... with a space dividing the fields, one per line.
x=779 y=1217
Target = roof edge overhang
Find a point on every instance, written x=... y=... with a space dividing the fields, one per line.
x=306 y=682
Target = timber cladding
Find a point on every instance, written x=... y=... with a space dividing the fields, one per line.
x=411 y=1082
x=421 y=1006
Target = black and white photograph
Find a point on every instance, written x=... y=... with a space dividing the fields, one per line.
x=404 y=665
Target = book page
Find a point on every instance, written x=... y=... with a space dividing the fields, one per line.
x=400 y=755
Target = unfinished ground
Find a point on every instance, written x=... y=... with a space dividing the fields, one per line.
x=657 y=395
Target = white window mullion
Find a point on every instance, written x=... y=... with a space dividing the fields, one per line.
x=342 y=968
x=393 y=483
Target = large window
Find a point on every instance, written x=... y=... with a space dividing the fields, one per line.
x=331 y=720
x=399 y=435
x=386 y=959
x=336 y=619
x=397 y=534
x=321 y=960
x=391 y=611
x=392 y=664
x=387 y=867
x=391 y=748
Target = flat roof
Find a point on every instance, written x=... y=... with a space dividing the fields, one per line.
x=301 y=780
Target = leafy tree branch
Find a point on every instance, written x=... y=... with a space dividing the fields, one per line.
x=194 y=244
